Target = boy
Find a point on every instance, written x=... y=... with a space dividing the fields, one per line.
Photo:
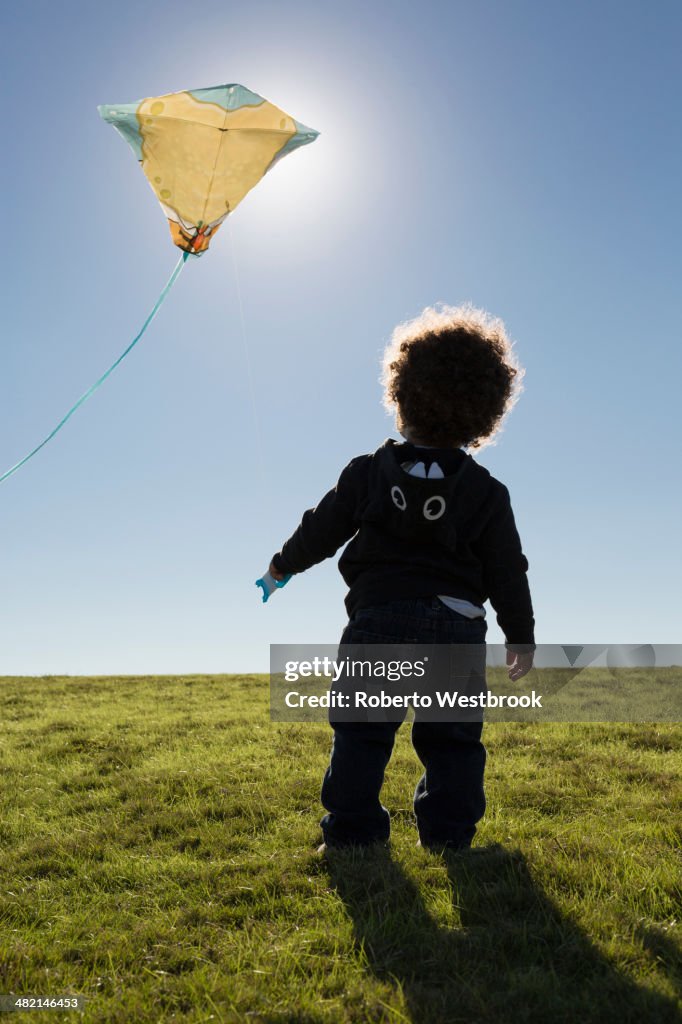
x=433 y=538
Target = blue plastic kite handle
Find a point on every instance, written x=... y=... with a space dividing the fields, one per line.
x=267 y=592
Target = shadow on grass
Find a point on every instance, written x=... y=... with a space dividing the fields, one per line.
x=514 y=958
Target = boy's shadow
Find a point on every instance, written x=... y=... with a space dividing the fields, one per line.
x=511 y=958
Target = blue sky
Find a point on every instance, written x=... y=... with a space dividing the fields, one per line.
x=524 y=156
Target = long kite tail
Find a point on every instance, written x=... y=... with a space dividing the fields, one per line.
x=91 y=390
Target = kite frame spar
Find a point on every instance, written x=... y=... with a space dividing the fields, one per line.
x=100 y=380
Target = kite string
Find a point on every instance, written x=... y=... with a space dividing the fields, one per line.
x=247 y=357
x=91 y=390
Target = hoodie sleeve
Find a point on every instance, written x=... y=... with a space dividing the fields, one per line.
x=504 y=575
x=324 y=528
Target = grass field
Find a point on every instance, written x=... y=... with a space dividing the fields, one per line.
x=158 y=856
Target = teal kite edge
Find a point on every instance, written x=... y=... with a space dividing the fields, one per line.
x=230 y=96
x=303 y=137
x=123 y=116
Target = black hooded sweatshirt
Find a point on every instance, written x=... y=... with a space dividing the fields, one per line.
x=416 y=537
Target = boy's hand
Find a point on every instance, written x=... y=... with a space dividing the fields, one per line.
x=520 y=664
x=275 y=573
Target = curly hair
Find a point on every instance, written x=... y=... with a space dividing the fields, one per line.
x=451 y=376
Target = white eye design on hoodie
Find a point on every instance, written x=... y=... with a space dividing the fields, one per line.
x=398 y=498
x=434 y=507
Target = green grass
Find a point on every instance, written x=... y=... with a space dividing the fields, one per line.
x=157 y=856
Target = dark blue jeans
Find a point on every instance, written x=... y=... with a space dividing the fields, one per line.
x=449 y=797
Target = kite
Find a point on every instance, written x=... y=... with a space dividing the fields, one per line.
x=201 y=151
